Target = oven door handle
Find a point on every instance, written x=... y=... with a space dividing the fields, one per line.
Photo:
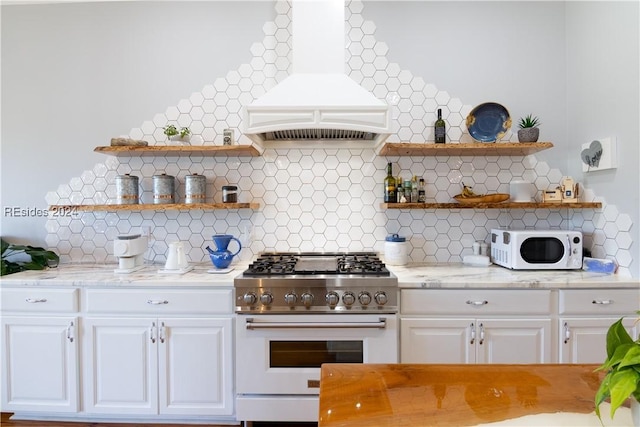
x=252 y=324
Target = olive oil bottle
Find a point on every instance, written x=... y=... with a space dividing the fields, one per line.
x=389 y=186
x=440 y=129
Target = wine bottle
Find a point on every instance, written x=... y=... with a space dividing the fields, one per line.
x=440 y=128
x=389 y=186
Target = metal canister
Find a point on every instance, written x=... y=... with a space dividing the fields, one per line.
x=195 y=188
x=127 y=189
x=164 y=189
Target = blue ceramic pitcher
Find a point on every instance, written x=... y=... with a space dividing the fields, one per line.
x=222 y=257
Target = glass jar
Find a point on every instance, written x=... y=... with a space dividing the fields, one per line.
x=229 y=194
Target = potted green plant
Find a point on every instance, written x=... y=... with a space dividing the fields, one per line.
x=622 y=380
x=173 y=133
x=529 y=130
x=10 y=254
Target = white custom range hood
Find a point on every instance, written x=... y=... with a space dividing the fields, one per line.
x=318 y=102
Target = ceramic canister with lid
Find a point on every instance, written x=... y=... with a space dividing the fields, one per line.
x=395 y=250
x=195 y=188
x=126 y=189
x=164 y=188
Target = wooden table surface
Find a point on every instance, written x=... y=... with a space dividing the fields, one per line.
x=451 y=395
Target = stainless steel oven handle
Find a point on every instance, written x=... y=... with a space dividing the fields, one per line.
x=252 y=324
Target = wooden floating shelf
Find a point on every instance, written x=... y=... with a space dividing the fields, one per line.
x=179 y=150
x=69 y=209
x=463 y=149
x=502 y=205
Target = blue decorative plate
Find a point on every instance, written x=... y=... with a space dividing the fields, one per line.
x=488 y=122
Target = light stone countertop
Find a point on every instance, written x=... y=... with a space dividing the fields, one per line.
x=428 y=276
x=103 y=275
x=451 y=276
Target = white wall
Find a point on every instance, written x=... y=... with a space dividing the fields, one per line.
x=603 y=99
x=73 y=76
x=76 y=75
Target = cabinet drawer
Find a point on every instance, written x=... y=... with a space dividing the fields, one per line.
x=38 y=300
x=164 y=301
x=473 y=302
x=599 y=301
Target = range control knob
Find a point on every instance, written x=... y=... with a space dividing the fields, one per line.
x=307 y=299
x=249 y=298
x=381 y=298
x=266 y=298
x=290 y=298
x=332 y=298
x=348 y=298
x=364 y=297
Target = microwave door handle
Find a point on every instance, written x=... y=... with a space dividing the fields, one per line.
x=568 y=249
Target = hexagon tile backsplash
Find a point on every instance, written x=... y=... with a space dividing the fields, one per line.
x=319 y=199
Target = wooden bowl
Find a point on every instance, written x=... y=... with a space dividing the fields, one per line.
x=487 y=198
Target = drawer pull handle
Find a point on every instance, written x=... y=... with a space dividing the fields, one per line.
x=157 y=302
x=477 y=303
x=35 y=300
x=602 y=302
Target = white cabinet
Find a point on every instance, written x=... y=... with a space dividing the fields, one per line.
x=585 y=315
x=475 y=326
x=166 y=352
x=39 y=350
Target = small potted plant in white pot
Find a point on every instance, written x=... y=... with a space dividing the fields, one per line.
x=529 y=130
x=182 y=135
x=622 y=381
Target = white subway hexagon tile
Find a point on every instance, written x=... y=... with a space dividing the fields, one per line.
x=623 y=258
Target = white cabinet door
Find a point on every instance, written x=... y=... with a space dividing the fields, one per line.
x=195 y=360
x=120 y=372
x=436 y=340
x=583 y=340
x=475 y=340
x=513 y=340
x=39 y=364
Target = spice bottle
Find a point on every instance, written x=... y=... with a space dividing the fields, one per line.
x=422 y=195
x=229 y=194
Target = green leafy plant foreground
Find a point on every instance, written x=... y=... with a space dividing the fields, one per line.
x=623 y=369
x=529 y=122
x=40 y=258
x=171 y=130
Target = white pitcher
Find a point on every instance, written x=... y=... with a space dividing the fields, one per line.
x=176 y=258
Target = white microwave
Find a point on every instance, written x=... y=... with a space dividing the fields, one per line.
x=537 y=249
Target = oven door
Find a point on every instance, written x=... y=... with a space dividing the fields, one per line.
x=282 y=354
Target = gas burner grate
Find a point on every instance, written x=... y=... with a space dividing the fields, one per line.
x=309 y=264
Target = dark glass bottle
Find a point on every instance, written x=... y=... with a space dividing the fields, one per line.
x=389 y=186
x=440 y=128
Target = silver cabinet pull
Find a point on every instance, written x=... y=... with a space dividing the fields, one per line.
x=567 y=333
x=70 y=332
x=35 y=300
x=481 y=334
x=157 y=302
x=152 y=332
x=477 y=303
x=162 y=331
x=473 y=333
x=602 y=301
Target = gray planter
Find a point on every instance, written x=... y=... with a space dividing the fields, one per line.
x=528 y=134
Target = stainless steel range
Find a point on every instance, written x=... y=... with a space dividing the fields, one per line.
x=296 y=311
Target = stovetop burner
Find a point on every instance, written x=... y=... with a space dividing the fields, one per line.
x=316 y=263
